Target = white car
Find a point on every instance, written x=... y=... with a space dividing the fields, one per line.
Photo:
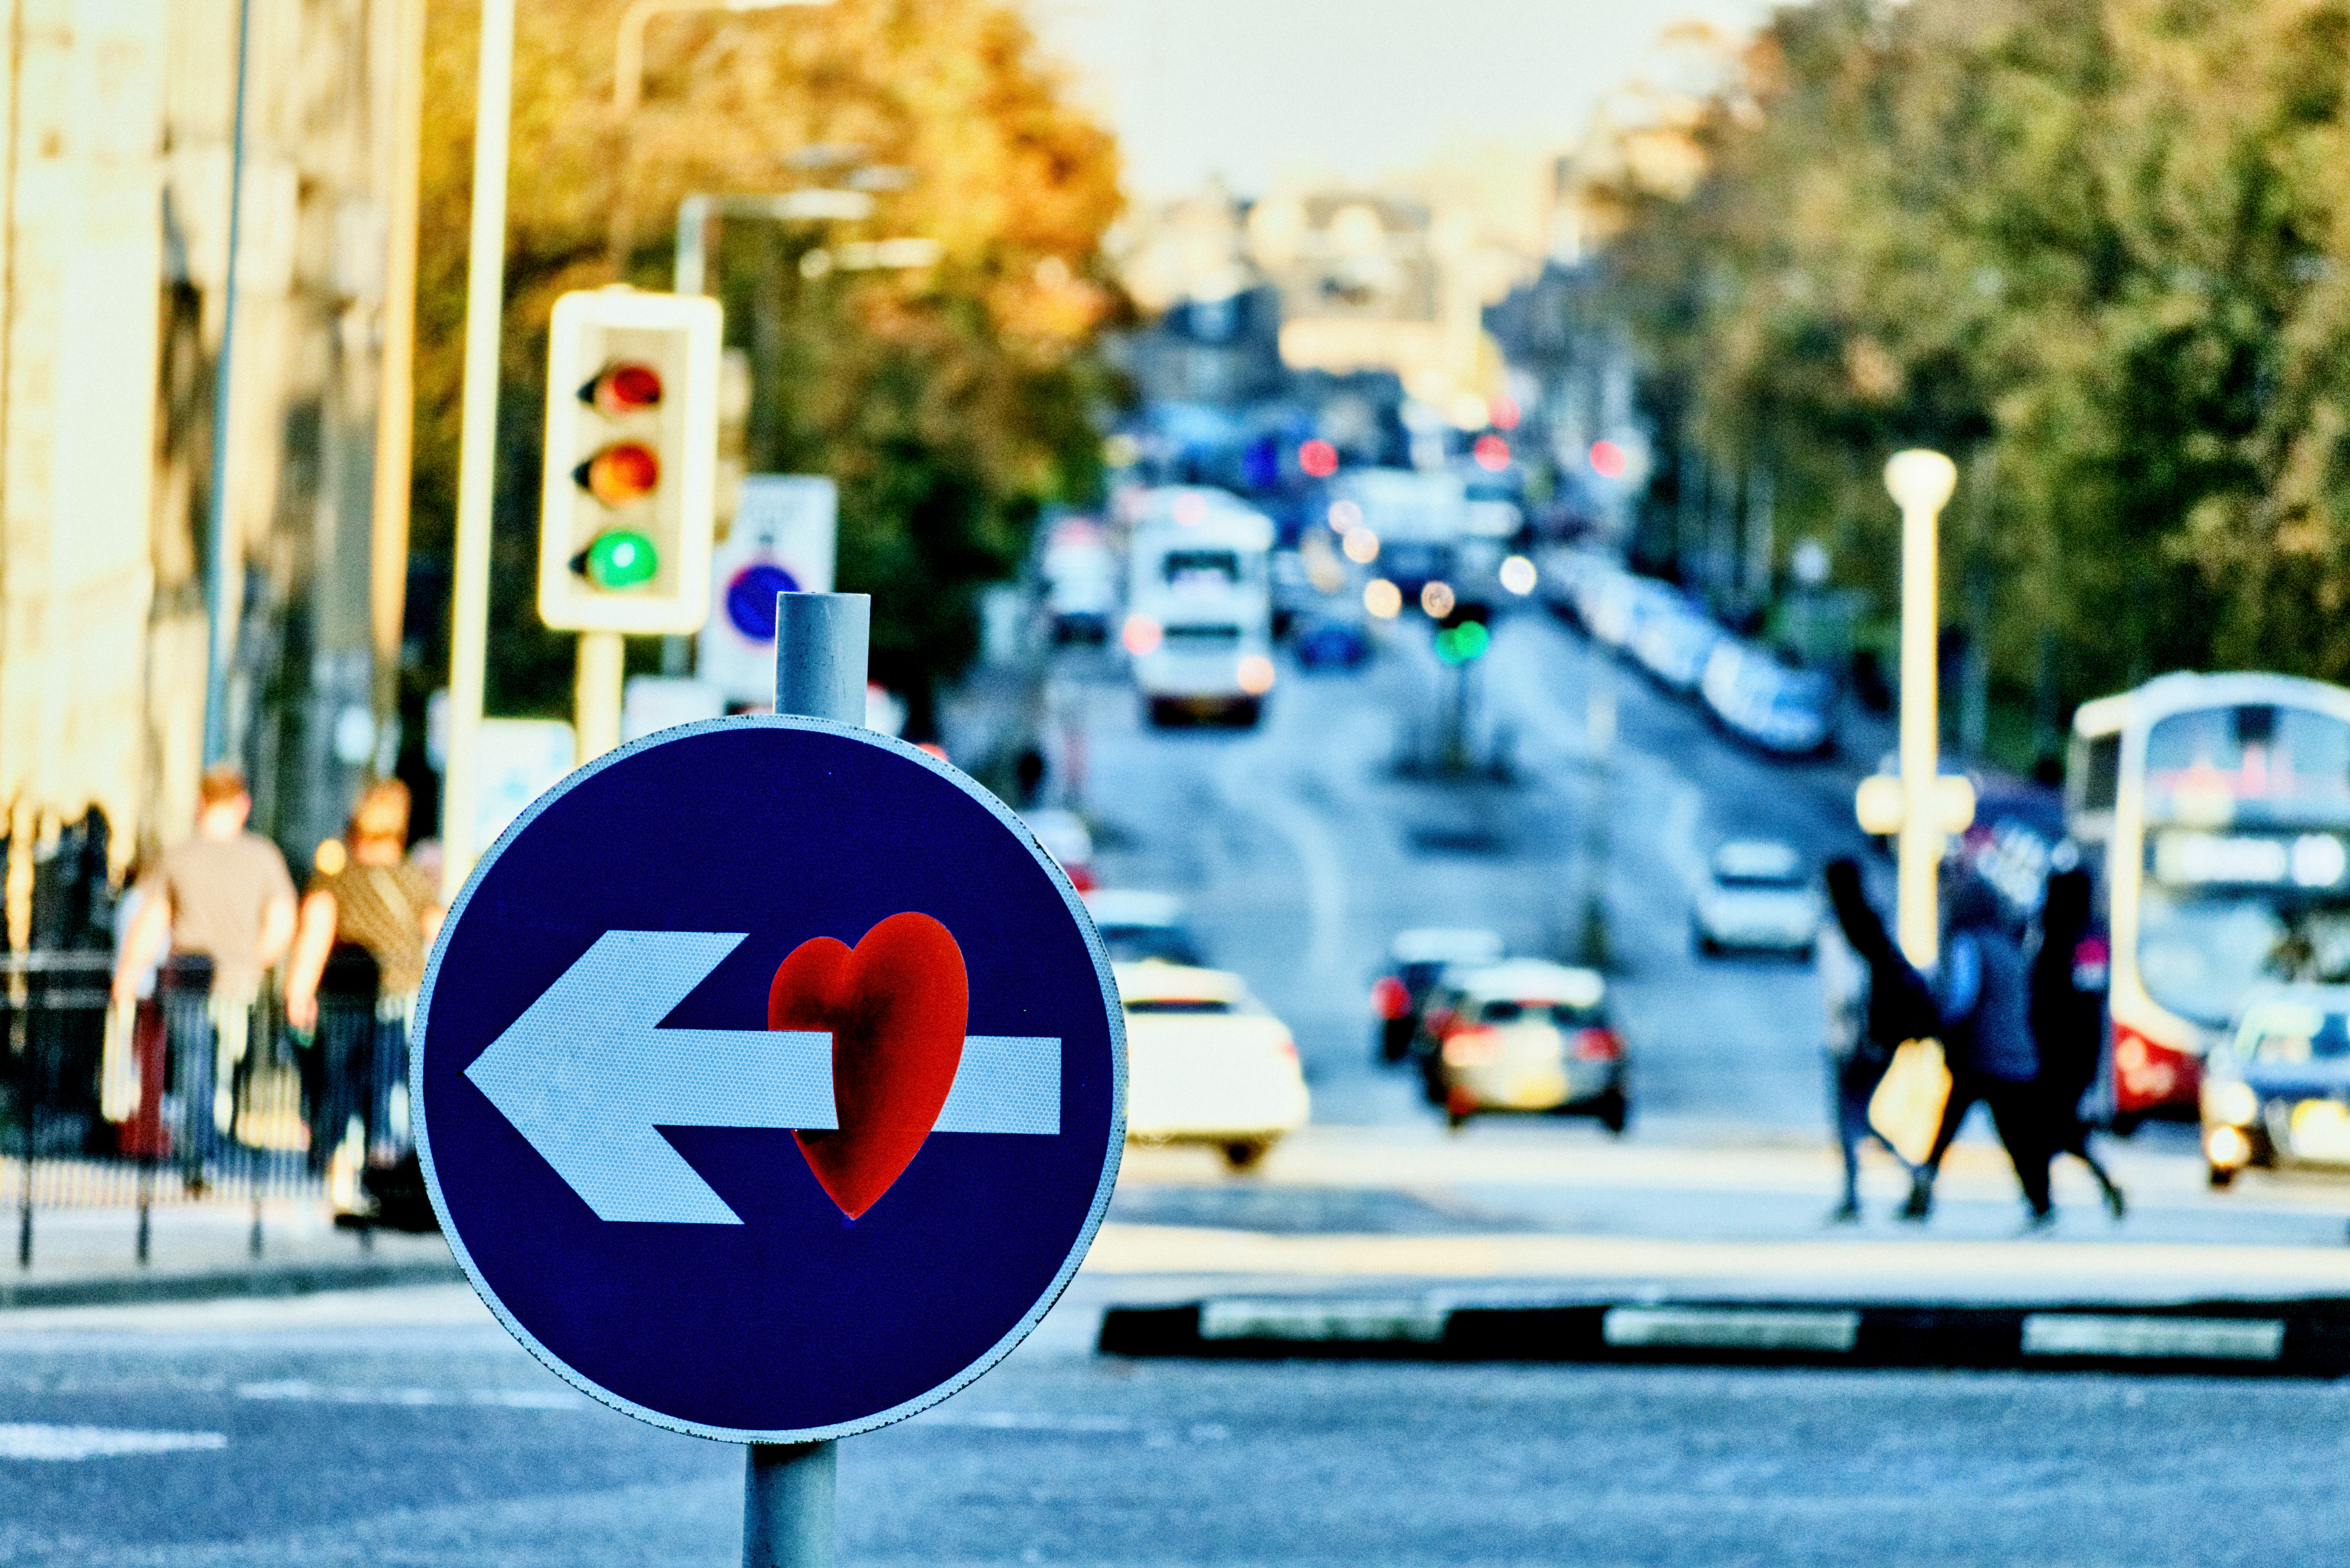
x=1206 y=1063
x=1759 y=899
x=1135 y=926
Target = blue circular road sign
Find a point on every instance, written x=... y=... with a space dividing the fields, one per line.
x=769 y=1079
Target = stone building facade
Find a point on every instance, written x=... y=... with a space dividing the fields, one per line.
x=115 y=165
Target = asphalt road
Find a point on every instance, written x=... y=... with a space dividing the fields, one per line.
x=1304 y=846
x=315 y=1432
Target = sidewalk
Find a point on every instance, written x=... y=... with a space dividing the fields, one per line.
x=1687 y=1212
x=201 y=1251
x=1502 y=1213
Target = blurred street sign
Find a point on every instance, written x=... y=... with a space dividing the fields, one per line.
x=782 y=540
x=770 y=1080
x=651 y=702
x=521 y=759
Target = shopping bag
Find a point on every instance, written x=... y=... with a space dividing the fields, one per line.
x=1907 y=1108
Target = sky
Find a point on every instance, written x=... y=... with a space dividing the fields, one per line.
x=1247 y=90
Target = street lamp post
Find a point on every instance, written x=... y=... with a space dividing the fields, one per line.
x=477 y=454
x=1918 y=803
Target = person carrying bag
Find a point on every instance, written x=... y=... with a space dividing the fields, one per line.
x=1880 y=1008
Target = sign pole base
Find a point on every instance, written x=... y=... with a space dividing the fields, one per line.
x=787 y=1506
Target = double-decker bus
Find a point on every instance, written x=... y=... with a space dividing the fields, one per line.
x=2216 y=809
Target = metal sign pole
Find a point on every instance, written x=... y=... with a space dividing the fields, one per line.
x=787 y=1506
x=820 y=654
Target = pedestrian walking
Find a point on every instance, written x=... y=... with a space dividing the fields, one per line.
x=2068 y=1025
x=224 y=897
x=367 y=919
x=1987 y=1041
x=1875 y=1002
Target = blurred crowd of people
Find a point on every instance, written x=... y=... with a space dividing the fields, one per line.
x=215 y=924
x=2005 y=1019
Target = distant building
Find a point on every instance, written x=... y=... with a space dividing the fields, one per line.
x=114 y=198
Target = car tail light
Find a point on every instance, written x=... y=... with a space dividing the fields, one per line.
x=1390 y=999
x=1471 y=1047
x=2149 y=1074
x=1598 y=1046
x=1081 y=877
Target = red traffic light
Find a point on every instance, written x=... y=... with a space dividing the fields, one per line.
x=1492 y=453
x=1318 y=459
x=1609 y=461
x=624 y=387
x=624 y=472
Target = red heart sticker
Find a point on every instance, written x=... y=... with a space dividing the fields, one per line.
x=896 y=1006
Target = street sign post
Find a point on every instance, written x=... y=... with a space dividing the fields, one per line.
x=769 y=1079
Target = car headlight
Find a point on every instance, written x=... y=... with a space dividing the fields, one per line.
x=2230 y=1103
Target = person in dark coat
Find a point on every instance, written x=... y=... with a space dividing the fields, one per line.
x=1876 y=1001
x=1987 y=1043
x=2068 y=1026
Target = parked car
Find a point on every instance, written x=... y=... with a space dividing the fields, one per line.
x=2278 y=1091
x=1081 y=591
x=1067 y=839
x=1142 y=927
x=1206 y=1063
x=1523 y=1035
x=1759 y=899
x=1326 y=640
x=1415 y=960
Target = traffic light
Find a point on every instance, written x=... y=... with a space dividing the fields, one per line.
x=631 y=461
x=1461 y=635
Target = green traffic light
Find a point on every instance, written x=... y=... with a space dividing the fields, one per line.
x=1460 y=644
x=620 y=558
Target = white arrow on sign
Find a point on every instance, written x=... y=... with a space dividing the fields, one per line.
x=586 y=1074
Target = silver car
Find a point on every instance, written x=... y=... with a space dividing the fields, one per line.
x=1759 y=899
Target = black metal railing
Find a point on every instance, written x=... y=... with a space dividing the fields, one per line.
x=199 y=1093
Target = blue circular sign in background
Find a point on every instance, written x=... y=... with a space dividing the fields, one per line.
x=797 y=1323
x=751 y=599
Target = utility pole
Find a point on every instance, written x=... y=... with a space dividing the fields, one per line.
x=1918 y=803
x=486 y=281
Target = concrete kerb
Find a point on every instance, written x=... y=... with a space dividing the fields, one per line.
x=2299 y=1338
x=262 y=1279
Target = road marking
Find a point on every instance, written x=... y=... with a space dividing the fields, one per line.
x=586 y=1076
x=24 y=1441
x=2184 y=1338
x=1729 y=1328
x=298 y=1390
x=1324 y=1320
x=1318 y=858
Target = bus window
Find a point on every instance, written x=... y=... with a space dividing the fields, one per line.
x=2252 y=752
x=1202 y=568
x=2101 y=773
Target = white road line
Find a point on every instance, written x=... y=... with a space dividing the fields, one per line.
x=24 y=1441
x=297 y=1390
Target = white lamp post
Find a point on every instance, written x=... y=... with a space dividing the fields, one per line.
x=1919 y=804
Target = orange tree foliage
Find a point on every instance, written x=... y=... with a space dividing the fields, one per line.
x=948 y=402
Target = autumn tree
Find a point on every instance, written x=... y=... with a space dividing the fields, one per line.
x=2093 y=248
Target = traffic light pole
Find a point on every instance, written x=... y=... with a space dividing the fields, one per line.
x=821 y=640
x=596 y=713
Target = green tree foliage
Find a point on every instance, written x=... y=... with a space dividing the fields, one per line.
x=950 y=402
x=2097 y=250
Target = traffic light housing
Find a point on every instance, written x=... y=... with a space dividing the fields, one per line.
x=1462 y=634
x=625 y=514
